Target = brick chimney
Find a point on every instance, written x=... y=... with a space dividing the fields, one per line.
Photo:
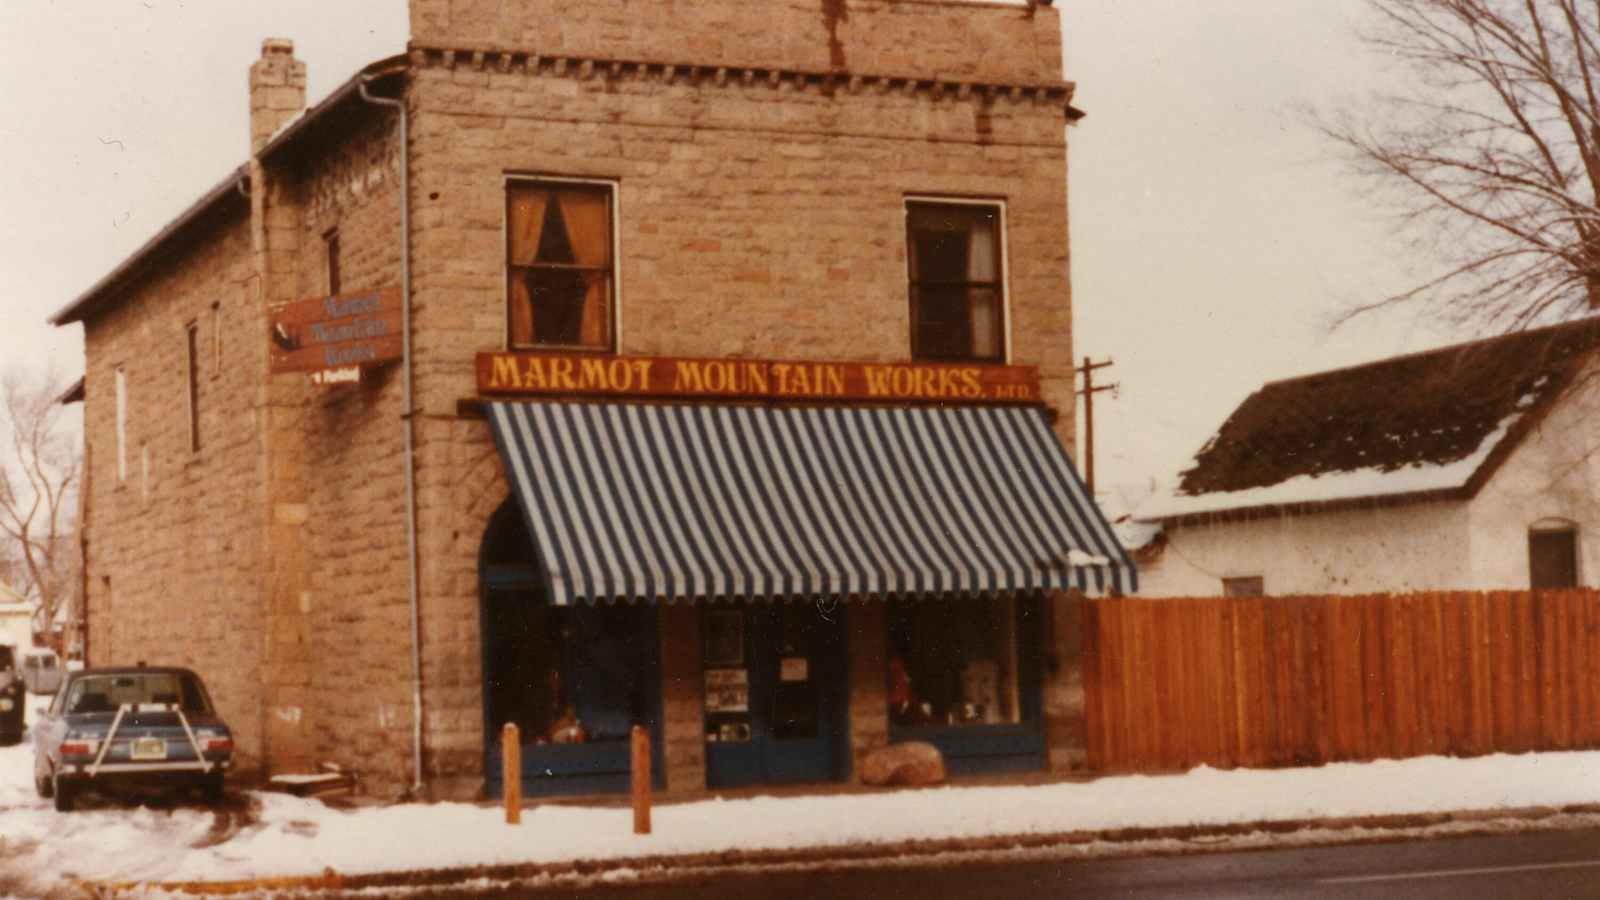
x=277 y=90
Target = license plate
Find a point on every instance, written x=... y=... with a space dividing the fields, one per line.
x=148 y=748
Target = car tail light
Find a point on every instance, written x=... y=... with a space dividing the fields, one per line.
x=219 y=744
x=76 y=748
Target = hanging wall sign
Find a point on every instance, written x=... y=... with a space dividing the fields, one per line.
x=326 y=334
x=543 y=374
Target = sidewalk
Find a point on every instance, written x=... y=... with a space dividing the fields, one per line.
x=282 y=837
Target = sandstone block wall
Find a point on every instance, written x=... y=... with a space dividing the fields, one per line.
x=342 y=453
x=174 y=561
x=998 y=41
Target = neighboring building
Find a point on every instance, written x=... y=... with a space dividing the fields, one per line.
x=1470 y=467
x=600 y=224
x=16 y=620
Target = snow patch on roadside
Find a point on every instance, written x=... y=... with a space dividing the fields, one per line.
x=293 y=836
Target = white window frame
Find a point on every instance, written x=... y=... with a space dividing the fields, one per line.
x=1004 y=261
x=122 y=424
x=615 y=187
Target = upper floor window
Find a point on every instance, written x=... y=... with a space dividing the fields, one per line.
x=560 y=264
x=191 y=334
x=1244 y=586
x=1552 y=557
x=957 y=291
x=330 y=244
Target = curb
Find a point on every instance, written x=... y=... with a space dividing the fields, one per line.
x=1193 y=838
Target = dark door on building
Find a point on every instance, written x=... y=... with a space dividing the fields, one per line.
x=775 y=693
x=1553 y=559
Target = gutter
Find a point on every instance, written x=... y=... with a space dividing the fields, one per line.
x=407 y=402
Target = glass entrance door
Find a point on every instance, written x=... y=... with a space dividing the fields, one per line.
x=775 y=693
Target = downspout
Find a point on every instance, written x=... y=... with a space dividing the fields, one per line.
x=399 y=107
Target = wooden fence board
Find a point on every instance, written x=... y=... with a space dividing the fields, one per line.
x=1527 y=659
x=1279 y=681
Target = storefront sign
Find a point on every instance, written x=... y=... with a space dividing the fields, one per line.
x=513 y=374
x=327 y=333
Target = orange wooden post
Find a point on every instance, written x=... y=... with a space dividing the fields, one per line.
x=641 y=780
x=511 y=772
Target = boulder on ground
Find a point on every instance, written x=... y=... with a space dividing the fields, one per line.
x=912 y=763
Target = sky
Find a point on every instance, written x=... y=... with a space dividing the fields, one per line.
x=1213 y=235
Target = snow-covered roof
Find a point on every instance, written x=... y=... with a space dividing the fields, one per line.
x=1434 y=423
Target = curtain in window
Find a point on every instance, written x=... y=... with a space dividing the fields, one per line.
x=982 y=303
x=587 y=214
x=526 y=222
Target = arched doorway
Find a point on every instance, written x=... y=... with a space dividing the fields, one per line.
x=573 y=679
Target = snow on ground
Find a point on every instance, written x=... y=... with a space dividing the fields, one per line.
x=290 y=836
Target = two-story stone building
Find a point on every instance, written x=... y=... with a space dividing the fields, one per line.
x=705 y=365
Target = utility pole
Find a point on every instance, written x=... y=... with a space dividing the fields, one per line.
x=1088 y=392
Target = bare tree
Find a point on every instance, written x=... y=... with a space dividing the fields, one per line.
x=39 y=472
x=1490 y=151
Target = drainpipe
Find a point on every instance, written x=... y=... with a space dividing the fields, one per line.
x=399 y=107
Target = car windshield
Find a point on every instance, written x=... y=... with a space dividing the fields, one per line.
x=107 y=693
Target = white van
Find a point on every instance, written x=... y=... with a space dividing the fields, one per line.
x=41 y=671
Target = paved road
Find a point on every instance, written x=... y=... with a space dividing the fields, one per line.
x=1544 y=866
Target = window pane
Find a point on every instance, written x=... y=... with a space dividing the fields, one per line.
x=525 y=223
x=983 y=306
x=954 y=662
x=938 y=256
x=559 y=260
x=1553 y=559
x=588 y=219
x=569 y=307
x=982 y=249
x=954 y=252
x=942 y=323
x=1244 y=586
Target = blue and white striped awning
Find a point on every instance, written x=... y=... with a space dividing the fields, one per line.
x=629 y=502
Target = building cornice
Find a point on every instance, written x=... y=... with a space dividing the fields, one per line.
x=585 y=68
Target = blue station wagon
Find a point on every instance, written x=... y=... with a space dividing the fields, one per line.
x=130 y=726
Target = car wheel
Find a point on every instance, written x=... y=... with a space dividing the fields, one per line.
x=211 y=790
x=43 y=783
x=65 y=795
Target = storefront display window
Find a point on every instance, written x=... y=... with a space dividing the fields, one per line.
x=956 y=662
x=578 y=674
x=570 y=675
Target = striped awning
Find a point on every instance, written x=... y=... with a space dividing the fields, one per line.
x=630 y=502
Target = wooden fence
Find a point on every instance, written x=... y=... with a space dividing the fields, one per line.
x=1276 y=681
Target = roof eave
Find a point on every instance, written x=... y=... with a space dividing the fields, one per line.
x=81 y=308
x=1460 y=492
x=73 y=394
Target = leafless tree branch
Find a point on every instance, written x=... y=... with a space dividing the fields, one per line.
x=1491 y=153
x=39 y=476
